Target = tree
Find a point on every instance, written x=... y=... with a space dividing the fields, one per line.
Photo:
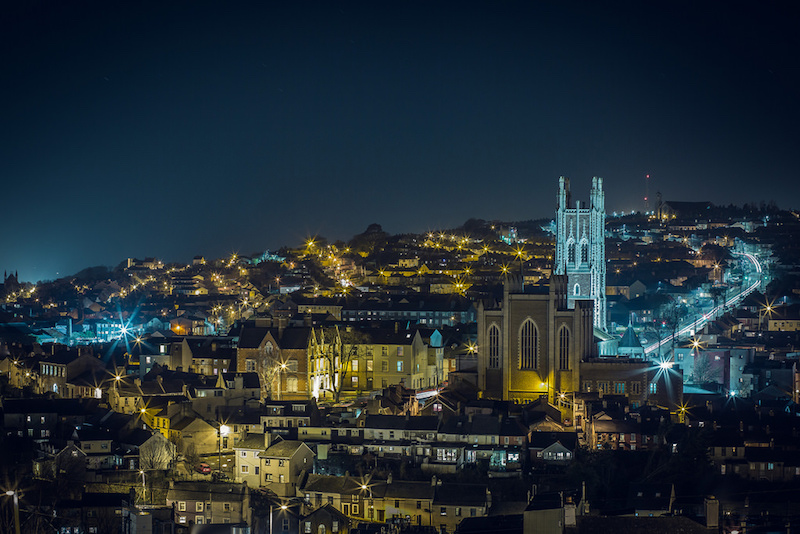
x=156 y=453
x=335 y=349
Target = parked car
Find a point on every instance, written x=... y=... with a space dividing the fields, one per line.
x=203 y=468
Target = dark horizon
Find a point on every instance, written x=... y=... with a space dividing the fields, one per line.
x=208 y=128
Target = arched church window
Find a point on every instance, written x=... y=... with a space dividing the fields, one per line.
x=584 y=252
x=571 y=252
x=528 y=345
x=576 y=290
x=494 y=346
x=563 y=348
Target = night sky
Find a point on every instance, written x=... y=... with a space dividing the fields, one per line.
x=176 y=128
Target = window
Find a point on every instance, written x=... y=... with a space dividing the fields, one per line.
x=636 y=388
x=354 y=366
x=458 y=511
x=653 y=388
x=369 y=365
x=443 y=510
x=528 y=346
x=291 y=384
x=587 y=386
x=355 y=509
x=354 y=381
x=399 y=351
x=399 y=366
x=181 y=506
x=244 y=454
x=250 y=366
x=619 y=388
x=571 y=252
x=199 y=520
x=602 y=387
x=257 y=470
x=245 y=468
x=385 y=366
x=285 y=525
x=563 y=348
x=577 y=290
x=281 y=463
x=494 y=346
x=397 y=503
x=384 y=351
x=307 y=527
x=291 y=366
x=334 y=526
x=226 y=507
x=198 y=507
x=419 y=505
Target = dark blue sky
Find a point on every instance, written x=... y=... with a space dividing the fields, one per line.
x=171 y=129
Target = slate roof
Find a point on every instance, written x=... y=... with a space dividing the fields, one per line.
x=460 y=494
x=282 y=449
x=250 y=441
x=630 y=339
x=250 y=337
x=393 y=422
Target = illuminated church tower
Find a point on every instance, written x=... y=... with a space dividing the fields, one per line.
x=581 y=249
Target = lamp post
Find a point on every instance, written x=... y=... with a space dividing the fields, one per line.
x=13 y=493
x=223 y=432
x=767 y=309
x=144 y=487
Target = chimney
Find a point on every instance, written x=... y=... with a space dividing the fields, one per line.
x=711 y=505
x=282 y=323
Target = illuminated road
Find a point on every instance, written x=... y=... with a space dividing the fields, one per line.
x=700 y=322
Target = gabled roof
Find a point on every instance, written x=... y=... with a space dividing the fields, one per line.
x=396 y=422
x=250 y=441
x=283 y=449
x=542 y=440
x=250 y=337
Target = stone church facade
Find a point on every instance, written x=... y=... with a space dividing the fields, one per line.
x=580 y=247
x=531 y=343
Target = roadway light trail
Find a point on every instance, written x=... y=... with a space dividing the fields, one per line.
x=700 y=322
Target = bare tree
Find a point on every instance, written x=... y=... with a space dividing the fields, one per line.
x=156 y=453
x=337 y=349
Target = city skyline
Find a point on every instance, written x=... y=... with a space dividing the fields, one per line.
x=203 y=128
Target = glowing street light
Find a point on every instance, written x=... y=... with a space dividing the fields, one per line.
x=15 y=495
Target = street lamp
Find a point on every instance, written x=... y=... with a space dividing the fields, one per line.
x=13 y=493
x=144 y=487
x=223 y=432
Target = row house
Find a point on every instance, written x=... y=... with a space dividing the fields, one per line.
x=41 y=419
x=56 y=371
x=274 y=464
x=132 y=396
x=420 y=504
x=607 y=431
x=226 y=390
x=279 y=355
x=198 y=503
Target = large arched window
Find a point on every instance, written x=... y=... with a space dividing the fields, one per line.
x=584 y=251
x=494 y=346
x=563 y=348
x=528 y=345
x=571 y=252
x=577 y=290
